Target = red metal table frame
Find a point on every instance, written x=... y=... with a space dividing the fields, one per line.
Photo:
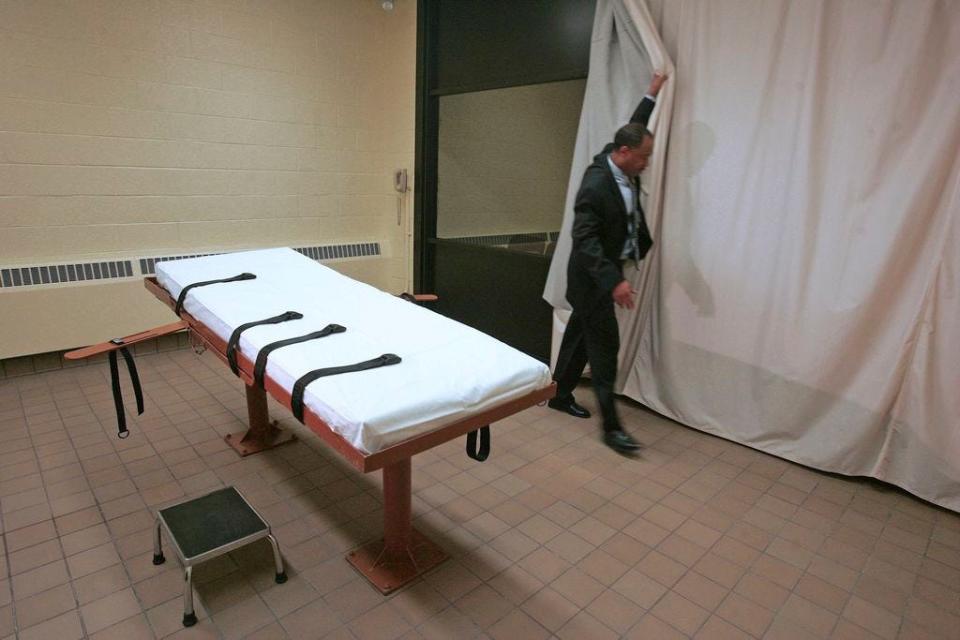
x=404 y=553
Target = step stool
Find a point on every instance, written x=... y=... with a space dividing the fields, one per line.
x=210 y=526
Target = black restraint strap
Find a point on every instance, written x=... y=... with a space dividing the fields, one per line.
x=183 y=292
x=122 y=431
x=234 y=342
x=296 y=398
x=483 y=452
x=260 y=367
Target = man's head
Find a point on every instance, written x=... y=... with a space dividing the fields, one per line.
x=633 y=145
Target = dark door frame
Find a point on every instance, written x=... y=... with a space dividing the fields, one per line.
x=425 y=149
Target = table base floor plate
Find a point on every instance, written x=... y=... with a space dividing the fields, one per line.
x=245 y=444
x=389 y=572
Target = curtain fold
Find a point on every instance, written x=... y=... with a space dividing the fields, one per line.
x=625 y=51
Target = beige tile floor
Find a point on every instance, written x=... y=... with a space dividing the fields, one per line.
x=554 y=536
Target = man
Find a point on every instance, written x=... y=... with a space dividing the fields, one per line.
x=608 y=229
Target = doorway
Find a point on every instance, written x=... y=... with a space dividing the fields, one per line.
x=500 y=86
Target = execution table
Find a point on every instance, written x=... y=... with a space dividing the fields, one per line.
x=450 y=380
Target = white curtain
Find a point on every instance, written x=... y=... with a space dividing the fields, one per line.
x=625 y=51
x=803 y=297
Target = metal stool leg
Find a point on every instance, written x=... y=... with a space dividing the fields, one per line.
x=278 y=561
x=157 y=549
x=189 y=617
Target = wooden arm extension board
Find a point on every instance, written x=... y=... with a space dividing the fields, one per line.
x=126 y=341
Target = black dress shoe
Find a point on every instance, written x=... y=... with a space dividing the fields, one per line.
x=621 y=442
x=568 y=406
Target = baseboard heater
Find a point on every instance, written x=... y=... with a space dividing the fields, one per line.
x=12 y=277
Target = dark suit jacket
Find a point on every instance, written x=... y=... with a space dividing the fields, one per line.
x=600 y=230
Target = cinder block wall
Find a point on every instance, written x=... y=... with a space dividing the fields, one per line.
x=137 y=128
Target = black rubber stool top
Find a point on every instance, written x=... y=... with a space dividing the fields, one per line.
x=211 y=521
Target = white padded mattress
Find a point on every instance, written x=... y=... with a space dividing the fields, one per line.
x=449 y=370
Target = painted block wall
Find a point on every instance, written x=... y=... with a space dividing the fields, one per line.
x=132 y=128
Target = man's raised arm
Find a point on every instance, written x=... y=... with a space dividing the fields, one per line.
x=645 y=108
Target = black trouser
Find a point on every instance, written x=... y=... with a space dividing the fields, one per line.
x=591 y=336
